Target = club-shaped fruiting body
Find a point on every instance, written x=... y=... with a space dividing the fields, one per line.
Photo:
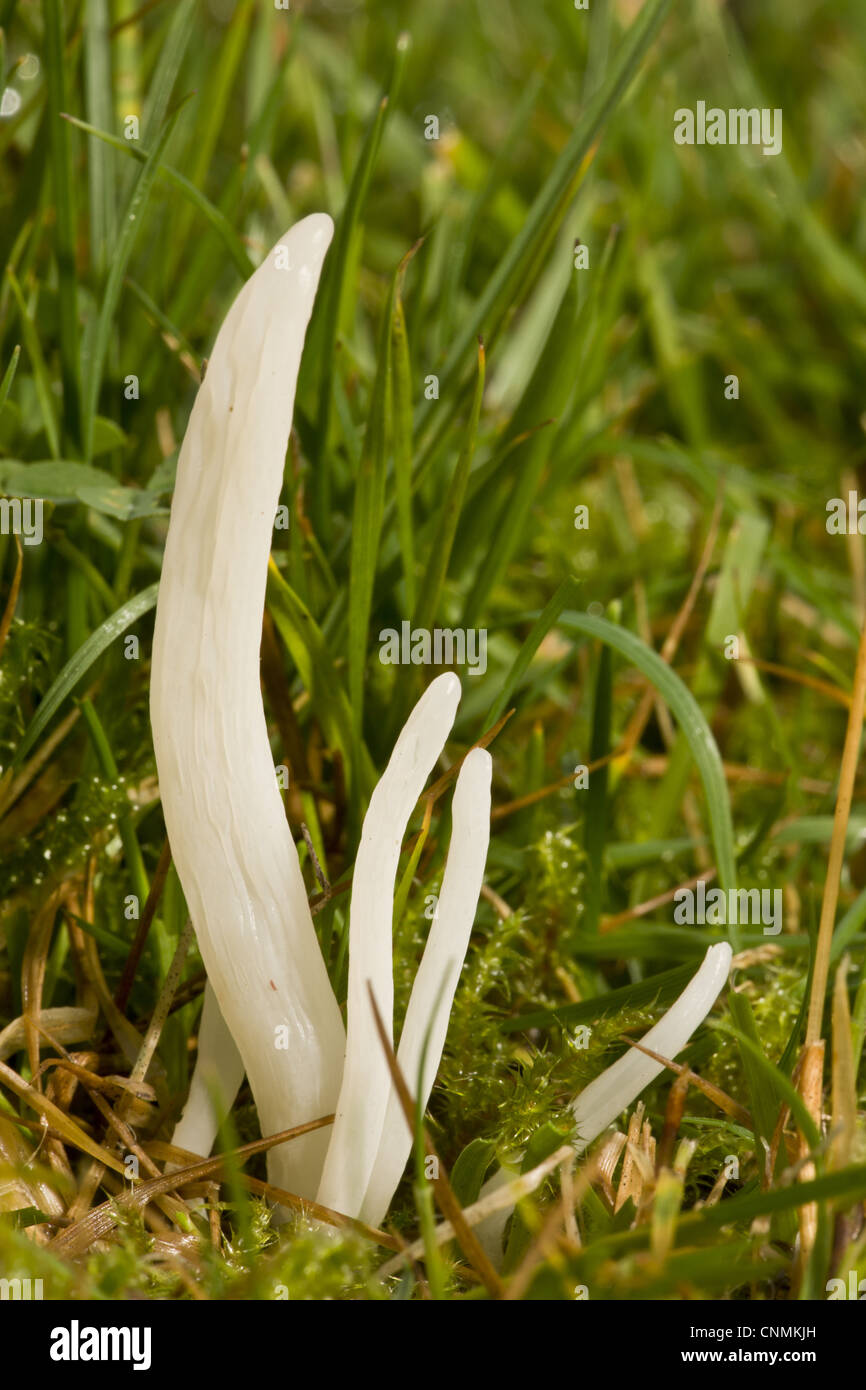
x=225 y=819
x=426 y=1021
x=371 y=1140
x=620 y=1084
x=366 y=1079
x=216 y=1080
x=269 y=1008
x=370 y=1117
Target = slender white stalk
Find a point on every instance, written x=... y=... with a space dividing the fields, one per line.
x=609 y=1094
x=429 y=1009
x=599 y=1104
x=225 y=819
x=216 y=1080
x=366 y=1079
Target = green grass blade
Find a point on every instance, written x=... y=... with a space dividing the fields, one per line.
x=502 y=287
x=500 y=166
x=162 y=320
x=549 y=388
x=9 y=375
x=776 y=1080
x=211 y=112
x=595 y=822
x=693 y=724
x=309 y=650
x=64 y=199
x=80 y=663
x=763 y=1103
x=440 y=550
x=402 y=382
x=401 y=897
x=100 y=162
x=125 y=824
x=659 y=989
x=368 y=511
x=131 y=227
x=175 y=44
x=547 y=618
x=332 y=289
x=218 y=222
x=41 y=378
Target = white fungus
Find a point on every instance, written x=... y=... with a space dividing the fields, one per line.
x=269 y=1008
x=272 y=1012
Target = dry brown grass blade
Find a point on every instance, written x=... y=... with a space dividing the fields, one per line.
x=844 y=1117
x=780 y=1134
x=847 y=773
x=674 y=1111
x=501 y=1198
x=319 y=1213
x=68 y=1023
x=109 y=1085
x=140 y=1065
x=61 y=1089
x=638 y=721
x=812 y=1091
x=726 y=1103
x=68 y=1129
x=173 y=1207
x=619 y=919
x=568 y=1194
x=101 y=1220
x=758 y=777
x=498 y=903
x=449 y=1205
x=715 y=1194
x=485 y=741
x=607 y=1157
x=33 y=968
x=148 y=912
x=85 y=910
x=656 y=765
x=128 y=1039
x=630 y=1180
x=532 y=798
x=24 y=1186
x=645 y=1157
x=12 y=600
x=812 y=1069
x=832 y=692
x=35 y=805
x=318 y=900
x=163 y=1004
x=11 y=790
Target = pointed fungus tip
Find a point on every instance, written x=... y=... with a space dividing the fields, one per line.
x=447 y=687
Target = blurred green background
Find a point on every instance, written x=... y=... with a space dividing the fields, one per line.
x=151 y=156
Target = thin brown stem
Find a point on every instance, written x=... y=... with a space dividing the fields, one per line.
x=850 y=754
